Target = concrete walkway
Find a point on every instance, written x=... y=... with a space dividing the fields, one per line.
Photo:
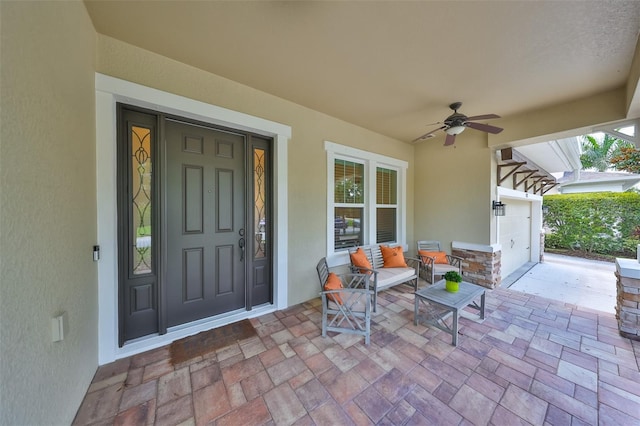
x=581 y=282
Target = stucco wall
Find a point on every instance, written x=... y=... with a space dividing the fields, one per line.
x=47 y=210
x=307 y=168
x=453 y=190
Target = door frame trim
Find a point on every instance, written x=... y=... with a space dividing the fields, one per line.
x=109 y=91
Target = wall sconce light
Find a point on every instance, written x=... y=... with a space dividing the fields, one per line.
x=545 y=209
x=499 y=209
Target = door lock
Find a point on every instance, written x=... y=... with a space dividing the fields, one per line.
x=241 y=244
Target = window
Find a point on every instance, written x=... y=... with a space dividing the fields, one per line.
x=348 y=198
x=386 y=204
x=366 y=196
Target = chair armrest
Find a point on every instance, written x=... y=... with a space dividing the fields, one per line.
x=357 y=270
x=351 y=298
x=428 y=260
x=412 y=259
x=347 y=290
x=355 y=281
x=454 y=260
x=414 y=263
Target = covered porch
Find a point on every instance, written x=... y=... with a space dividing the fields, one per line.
x=531 y=361
x=368 y=76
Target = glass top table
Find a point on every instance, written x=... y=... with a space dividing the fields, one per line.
x=439 y=304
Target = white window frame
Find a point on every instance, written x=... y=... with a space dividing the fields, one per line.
x=371 y=162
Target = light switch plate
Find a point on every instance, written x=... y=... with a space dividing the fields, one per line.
x=59 y=327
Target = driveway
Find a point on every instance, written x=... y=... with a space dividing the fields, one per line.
x=581 y=282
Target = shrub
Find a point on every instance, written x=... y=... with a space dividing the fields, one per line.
x=603 y=222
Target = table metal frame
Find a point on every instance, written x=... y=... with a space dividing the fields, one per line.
x=441 y=304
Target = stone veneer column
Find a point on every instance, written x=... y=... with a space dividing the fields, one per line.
x=480 y=264
x=628 y=297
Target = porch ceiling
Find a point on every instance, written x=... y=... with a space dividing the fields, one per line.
x=393 y=67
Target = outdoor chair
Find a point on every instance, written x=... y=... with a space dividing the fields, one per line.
x=346 y=302
x=435 y=262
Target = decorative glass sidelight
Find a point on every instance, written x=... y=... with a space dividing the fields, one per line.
x=141 y=199
x=259 y=197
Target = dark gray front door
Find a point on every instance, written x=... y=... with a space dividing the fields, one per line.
x=204 y=202
x=194 y=221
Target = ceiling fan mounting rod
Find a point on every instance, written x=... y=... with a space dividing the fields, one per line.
x=455 y=106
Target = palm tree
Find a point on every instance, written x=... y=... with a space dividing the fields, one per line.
x=627 y=160
x=597 y=155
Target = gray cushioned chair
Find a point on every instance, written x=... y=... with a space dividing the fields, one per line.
x=353 y=315
x=429 y=268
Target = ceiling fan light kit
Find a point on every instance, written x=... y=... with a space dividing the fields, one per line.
x=457 y=122
x=456 y=130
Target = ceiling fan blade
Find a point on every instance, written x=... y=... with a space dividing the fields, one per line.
x=449 y=140
x=426 y=135
x=484 y=127
x=483 y=117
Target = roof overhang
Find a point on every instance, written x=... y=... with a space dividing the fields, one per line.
x=553 y=156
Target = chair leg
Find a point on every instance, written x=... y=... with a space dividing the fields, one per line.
x=367 y=336
x=324 y=315
x=324 y=324
x=367 y=320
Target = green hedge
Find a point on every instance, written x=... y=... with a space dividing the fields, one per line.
x=600 y=222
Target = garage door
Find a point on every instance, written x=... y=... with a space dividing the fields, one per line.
x=515 y=235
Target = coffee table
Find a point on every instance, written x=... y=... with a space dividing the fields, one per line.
x=440 y=304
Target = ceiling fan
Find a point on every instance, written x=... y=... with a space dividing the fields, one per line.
x=457 y=122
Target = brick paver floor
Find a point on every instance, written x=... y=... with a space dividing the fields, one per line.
x=531 y=361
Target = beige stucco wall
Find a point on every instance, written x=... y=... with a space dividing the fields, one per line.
x=569 y=119
x=453 y=190
x=47 y=210
x=307 y=192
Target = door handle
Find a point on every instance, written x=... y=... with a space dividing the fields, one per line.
x=241 y=244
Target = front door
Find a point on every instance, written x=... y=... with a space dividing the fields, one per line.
x=205 y=242
x=194 y=228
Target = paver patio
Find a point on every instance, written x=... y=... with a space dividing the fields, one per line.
x=531 y=361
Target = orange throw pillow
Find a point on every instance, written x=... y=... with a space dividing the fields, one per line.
x=393 y=257
x=359 y=259
x=334 y=283
x=441 y=257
